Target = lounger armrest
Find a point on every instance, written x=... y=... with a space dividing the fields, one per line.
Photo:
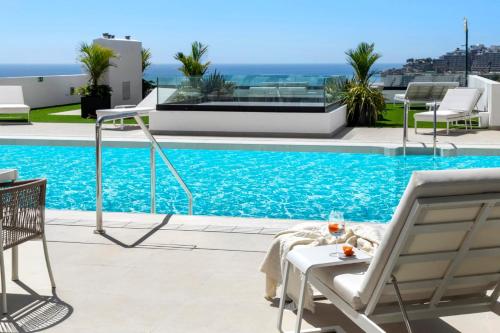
x=125 y=106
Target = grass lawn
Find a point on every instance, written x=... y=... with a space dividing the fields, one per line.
x=50 y=115
x=393 y=117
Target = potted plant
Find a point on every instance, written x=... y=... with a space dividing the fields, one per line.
x=365 y=103
x=96 y=60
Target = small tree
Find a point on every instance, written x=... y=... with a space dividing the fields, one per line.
x=192 y=64
x=364 y=102
x=96 y=61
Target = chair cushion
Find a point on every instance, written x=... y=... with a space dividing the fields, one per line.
x=460 y=99
x=139 y=110
x=345 y=281
x=441 y=115
x=8 y=175
x=399 y=97
x=11 y=95
x=14 y=108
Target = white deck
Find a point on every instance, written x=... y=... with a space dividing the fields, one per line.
x=192 y=274
x=359 y=136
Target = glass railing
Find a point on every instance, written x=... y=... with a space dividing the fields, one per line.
x=280 y=93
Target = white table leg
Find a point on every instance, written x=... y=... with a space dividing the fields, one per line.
x=300 y=307
x=283 y=296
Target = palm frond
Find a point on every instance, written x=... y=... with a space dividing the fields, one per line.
x=192 y=64
x=96 y=60
x=146 y=59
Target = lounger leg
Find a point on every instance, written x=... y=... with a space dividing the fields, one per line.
x=47 y=261
x=415 y=124
x=15 y=263
x=4 y=287
x=300 y=307
x=283 y=296
x=447 y=128
x=401 y=305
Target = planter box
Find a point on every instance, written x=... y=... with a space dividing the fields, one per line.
x=92 y=103
x=287 y=124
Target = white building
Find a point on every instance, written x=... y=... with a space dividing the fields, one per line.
x=126 y=77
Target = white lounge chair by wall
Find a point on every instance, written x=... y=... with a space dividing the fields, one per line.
x=147 y=105
x=457 y=105
x=441 y=251
x=12 y=101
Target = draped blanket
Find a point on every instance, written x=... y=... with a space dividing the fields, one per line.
x=364 y=236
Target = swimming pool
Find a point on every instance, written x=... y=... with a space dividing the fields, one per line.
x=299 y=185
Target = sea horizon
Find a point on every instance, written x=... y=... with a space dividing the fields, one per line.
x=171 y=69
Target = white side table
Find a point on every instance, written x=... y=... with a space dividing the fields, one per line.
x=305 y=259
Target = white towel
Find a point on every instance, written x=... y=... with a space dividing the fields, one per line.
x=364 y=236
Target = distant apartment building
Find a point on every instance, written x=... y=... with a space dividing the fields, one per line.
x=482 y=59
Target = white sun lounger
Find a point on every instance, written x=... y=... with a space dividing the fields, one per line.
x=424 y=92
x=440 y=254
x=12 y=101
x=457 y=105
x=147 y=105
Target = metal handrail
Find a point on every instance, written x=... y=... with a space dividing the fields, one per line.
x=155 y=146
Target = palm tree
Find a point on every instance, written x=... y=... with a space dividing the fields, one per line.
x=146 y=59
x=192 y=64
x=364 y=103
x=96 y=60
x=147 y=86
x=361 y=60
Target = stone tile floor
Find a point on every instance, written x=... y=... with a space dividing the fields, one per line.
x=156 y=273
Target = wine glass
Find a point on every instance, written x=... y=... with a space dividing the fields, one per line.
x=336 y=225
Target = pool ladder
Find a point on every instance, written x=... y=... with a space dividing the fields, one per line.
x=155 y=147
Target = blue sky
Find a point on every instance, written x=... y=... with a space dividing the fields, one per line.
x=253 y=31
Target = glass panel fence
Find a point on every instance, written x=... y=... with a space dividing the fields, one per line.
x=280 y=93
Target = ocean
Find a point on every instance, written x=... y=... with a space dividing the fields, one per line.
x=169 y=70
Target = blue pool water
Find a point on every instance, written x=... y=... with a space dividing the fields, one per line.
x=366 y=187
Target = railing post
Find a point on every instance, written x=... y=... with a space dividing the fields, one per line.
x=98 y=159
x=405 y=126
x=152 y=167
x=434 y=132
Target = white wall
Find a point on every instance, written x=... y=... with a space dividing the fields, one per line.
x=490 y=99
x=128 y=70
x=52 y=90
x=322 y=124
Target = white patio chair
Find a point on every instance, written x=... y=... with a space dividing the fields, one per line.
x=458 y=104
x=439 y=257
x=12 y=101
x=147 y=105
x=423 y=92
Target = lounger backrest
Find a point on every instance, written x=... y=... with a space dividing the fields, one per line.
x=443 y=240
x=293 y=91
x=150 y=100
x=428 y=91
x=11 y=95
x=460 y=99
x=263 y=92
